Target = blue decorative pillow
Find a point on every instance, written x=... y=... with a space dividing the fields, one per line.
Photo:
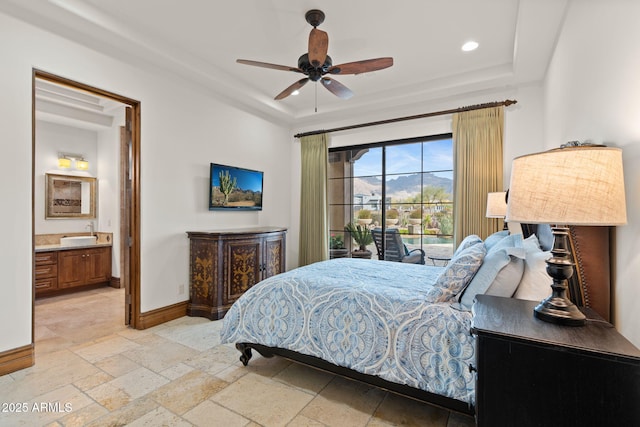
x=511 y=241
x=470 y=240
x=458 y=273
x=490 y=241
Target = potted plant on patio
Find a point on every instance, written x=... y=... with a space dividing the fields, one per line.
x=364 y=217
x=415 y=217
x=362 y=236
x=391 y=217
x=336 y=246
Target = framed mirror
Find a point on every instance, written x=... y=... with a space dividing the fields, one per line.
x=70 y=196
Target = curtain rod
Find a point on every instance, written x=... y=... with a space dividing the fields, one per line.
x=506 y=103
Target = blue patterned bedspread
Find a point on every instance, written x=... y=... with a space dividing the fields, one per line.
x=367 y=315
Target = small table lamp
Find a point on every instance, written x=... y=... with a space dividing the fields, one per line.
x=581 y=185
x=497 y=206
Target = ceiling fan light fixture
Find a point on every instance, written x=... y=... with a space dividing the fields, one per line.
x=316 y=63
x=470 y=45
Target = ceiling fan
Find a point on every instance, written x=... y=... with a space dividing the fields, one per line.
x=315 y=64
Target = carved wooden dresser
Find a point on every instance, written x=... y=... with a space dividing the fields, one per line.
x=225 y=263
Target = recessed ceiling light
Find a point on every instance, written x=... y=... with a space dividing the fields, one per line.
x=295 y=92
x=469 y=46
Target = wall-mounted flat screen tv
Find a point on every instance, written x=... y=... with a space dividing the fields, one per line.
x=233 y=188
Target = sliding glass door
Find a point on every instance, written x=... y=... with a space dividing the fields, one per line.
x=403 y=187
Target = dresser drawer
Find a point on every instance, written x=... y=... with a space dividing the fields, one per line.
x=46 y=284
x=44 y=258
x=46 y=271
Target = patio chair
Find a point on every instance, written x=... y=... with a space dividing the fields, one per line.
x=394 y=247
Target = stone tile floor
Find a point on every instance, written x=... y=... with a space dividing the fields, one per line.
x=91 y=370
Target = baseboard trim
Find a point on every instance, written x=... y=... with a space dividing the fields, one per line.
x=162 y=315
x=16 y=359
x=115 y=282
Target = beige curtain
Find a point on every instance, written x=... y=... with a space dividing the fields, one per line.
x=477 y=152
x=314 y=241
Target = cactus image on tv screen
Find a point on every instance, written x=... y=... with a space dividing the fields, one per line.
x=235 y=188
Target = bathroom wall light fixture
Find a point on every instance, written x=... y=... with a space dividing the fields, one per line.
x=64 y=161
x=82 y=165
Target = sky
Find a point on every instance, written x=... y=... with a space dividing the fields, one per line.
x=406 y=158
x=246 y=179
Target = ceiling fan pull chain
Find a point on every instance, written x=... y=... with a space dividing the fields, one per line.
x=316 y=90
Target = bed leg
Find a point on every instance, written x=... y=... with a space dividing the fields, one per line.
x=246 y=353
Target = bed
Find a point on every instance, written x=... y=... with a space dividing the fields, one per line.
x=401 y=327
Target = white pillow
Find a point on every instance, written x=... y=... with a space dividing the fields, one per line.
x=499 y=271
x=531 y=244
x=508 y=279
x=505 y=283
x=536 y=283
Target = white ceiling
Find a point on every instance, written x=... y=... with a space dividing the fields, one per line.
x=201 y=39
x=63 y=105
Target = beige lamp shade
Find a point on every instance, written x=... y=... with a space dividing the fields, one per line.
x=581 y=185
x=496 y=205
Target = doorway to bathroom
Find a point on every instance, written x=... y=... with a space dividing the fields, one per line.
x=80 y=131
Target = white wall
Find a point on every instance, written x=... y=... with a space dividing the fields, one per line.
x=175 y=177
x=183 y=130
x=15 y=217
x=101 y=150
x=592 y=93
x=53 y=139
x=108 y=163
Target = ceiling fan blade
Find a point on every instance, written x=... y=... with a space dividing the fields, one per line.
x=359 y=67
x=318 y=47
x=267 y=65
x=336 y=88
x=288 y=91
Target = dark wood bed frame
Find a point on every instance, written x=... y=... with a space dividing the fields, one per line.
x=589 y=287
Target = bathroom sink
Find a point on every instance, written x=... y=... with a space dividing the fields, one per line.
x=78 y=241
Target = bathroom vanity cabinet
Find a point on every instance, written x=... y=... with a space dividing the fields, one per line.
x=57 y=271
x=84 y=267
x=46 y=271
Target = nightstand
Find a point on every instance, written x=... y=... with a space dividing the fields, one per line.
x=534 y=373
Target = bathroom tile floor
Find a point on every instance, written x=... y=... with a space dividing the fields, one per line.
x=91 y=370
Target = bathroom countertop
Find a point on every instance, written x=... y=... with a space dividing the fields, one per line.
x=58 y=247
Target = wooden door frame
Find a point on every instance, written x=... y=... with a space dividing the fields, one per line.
x=134 y=270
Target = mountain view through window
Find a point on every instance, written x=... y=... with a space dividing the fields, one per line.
x=397 y=187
